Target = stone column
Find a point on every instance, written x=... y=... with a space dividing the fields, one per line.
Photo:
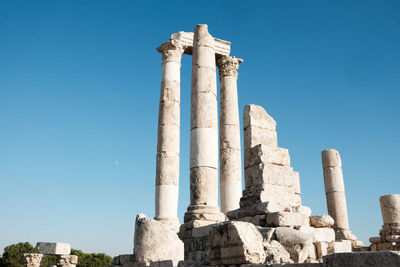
x=334 y=188
x=203 y=131
x=167 y=170
x=229 y=140
x=390 y=208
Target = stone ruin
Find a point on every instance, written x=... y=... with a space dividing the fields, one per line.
x=62 y=250
x=265 y=223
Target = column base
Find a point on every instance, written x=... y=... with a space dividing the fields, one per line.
x=204 y=213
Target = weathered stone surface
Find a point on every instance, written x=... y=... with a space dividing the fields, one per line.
x=266 y=154
x=268 y=233
x=53 y=248
x=365 y=259
x=276 y=253
x=323 y=235
x=253 y=210
x=390 y=207
x=302 y=209
x=392 y=238
x=155 y=241
x=236 y=242
x=283 y=196
x=167 y=263
x=321 y=221
x=253 y=136
x=34 y=259
x=287 y=219
x=123 y=259
x=258 y=220
x=297 y=243
x=255 y=115
x=267 y=173
x=67 y=260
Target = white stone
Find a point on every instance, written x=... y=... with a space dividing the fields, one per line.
x=390 y=207
x=286 y=219
x=297 y=243
x=53 y=248
x=323 y=235
x=255 y=115
x=155 y=241
x=302 y=209
x=266 y=154
x=276 y=253
x=321 y=221
x=166 y=202
x=235 y=242
x=204 y=148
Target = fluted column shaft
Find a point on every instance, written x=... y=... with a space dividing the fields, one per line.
x=229 y=142
x=167 y=170
x=334 y=188
x=203 y=128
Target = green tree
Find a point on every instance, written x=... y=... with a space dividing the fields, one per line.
x=91 y=260
x=13 y=255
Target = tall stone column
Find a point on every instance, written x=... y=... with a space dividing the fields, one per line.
x=229 y=142
x=203 y=131
x=167 y=170
x=334 y=188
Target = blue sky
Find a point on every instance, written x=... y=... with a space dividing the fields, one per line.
x=79 y=92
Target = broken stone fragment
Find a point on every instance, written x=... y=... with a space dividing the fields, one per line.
x=155 y=241
x=321 y=221
x=234 y=243
x=67 y=260
x=34 y=259
x=276 y=253
x=297 y=243
x=287 y=219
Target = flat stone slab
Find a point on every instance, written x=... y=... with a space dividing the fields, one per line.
x=53 y=248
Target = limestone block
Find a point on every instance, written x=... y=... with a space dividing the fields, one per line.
x=254 y=115
x=390 y=207
x=282 y=196
x=258 y=220
x=266 y=154
x=34 y=259
x=253 y=136
x=236 y=242
x=67 y=260
x=295 y=242
x=266 y=173
x=53 y=248
x=365 y=259
x=253 y=210
x=375 y=240
x=392 y=238
x=268 y=233
x=168 y=139
x=155 y=241
x=386 y=246
x=302 y=209
x=340 y=246
x=331 y=158
x=321 y=221
x=323 y=235
x=287 y=219
x=276 y=253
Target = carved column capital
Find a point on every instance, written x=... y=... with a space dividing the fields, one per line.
x=171 y=50
x=228 y=66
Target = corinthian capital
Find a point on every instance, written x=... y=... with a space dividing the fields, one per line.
x=171 y=50
x=228 y=66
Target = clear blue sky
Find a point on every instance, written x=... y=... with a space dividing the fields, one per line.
x=79 y=92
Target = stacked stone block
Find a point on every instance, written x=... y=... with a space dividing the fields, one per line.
x=62 y=250
x=389 y=238
x=272 y=199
